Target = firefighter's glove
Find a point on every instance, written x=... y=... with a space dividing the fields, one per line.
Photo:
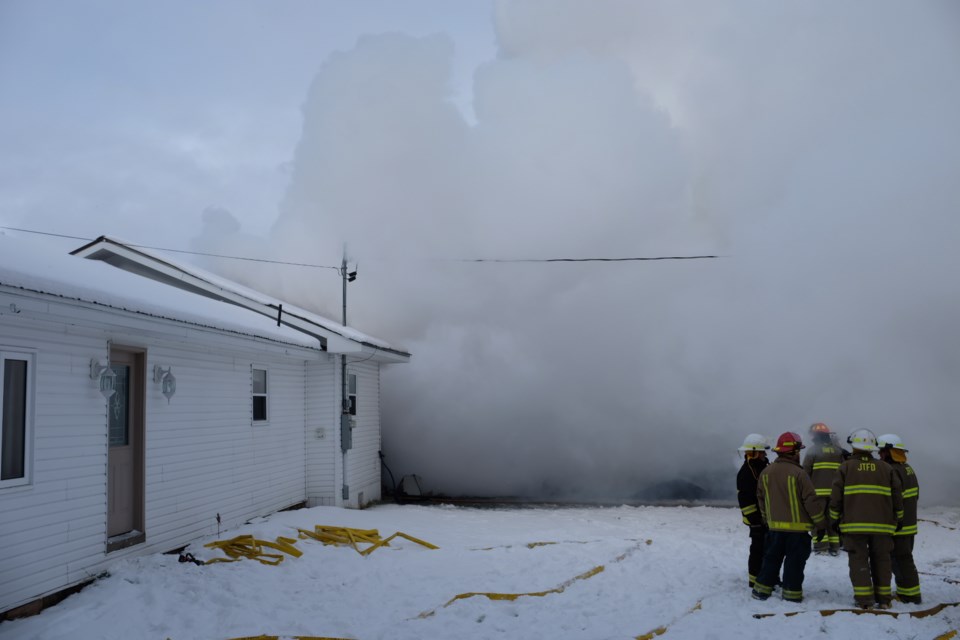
x=836 y=525
x=821 y=533
x=899 y=526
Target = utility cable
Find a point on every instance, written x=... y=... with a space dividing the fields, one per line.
x=195 y=253
x=320 y=266
x=591 y=259
x=383 y=461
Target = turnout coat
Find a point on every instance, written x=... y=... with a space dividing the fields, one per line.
x=867 y=496
x=787 y=497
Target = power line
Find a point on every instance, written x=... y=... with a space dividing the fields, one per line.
x=591 y=259
x=216 y=255
x=195 y=253
x=338 y=269
x=45 y=233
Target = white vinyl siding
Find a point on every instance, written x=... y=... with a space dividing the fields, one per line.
x=201 y=456
x=323 y=433
x=54 y=530
x=363 y=467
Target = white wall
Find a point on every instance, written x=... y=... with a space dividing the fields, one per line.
x=323 y=448
x=54 y=529
x=363 y=465
x=202 y=456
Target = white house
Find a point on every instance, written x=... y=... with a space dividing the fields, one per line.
x=145 y=403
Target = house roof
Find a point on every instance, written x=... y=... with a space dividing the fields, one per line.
x=147 y=284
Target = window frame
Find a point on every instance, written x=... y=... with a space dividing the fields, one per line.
x=28 y=412
x=265 y=421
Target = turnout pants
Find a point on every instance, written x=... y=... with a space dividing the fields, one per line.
x=904 y=569
x=869 y=556
x=790 y=549
x=832 y=539
x=755 y=561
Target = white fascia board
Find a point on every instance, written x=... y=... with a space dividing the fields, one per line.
x=383 y=356
x=76 y=313
x=149 y=267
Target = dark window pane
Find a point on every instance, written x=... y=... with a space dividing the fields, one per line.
x=14 y=418
x=259 y=408
x=353 y=405
x=117 y=407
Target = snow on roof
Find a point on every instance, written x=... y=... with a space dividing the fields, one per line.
x=39 y=265
x=152 y=264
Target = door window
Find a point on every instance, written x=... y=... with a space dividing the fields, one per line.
x=119 y=407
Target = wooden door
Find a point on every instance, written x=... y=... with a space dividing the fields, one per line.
x=125 y=450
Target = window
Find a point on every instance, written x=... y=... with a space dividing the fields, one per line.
x=352 y=394
x=16 y=370
x=259 y=379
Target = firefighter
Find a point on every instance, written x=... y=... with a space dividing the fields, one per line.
x=866 y=505
x=905 y=573
x=790 y=510
x=754 y=451
x=821 y=462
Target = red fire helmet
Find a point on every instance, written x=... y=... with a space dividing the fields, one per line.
x=788 y=441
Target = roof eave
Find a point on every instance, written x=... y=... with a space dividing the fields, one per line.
x=384 y=355
x=129 y=259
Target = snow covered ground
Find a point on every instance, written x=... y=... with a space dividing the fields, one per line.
x=679 y=570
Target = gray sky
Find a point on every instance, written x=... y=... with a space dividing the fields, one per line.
x=815 y=145
x=133 y=117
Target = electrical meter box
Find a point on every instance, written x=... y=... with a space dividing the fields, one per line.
x=347 y=423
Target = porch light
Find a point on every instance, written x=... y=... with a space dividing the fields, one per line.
x=104 y=376
x=166 y=380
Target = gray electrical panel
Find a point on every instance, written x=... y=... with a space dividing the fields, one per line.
x=347 y=423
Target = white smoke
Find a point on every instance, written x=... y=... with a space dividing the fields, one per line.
x=814 y=145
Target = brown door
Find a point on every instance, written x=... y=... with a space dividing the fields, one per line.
x=125 y=452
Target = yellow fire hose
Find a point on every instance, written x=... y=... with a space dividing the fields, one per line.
x=353 y=537
x=877 y=612
x=514 y=596
x=659 y=631
x=252 y=548
x=534 y=594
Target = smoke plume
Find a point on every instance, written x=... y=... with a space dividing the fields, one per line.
x=814 y=146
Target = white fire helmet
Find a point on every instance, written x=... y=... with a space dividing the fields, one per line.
x=754 y=442
x=891 y=441
x=863 y=440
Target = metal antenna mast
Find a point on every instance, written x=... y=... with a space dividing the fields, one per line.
x=343 y=273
